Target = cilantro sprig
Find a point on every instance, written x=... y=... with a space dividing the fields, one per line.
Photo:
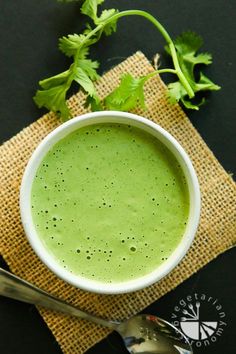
x=130 y=93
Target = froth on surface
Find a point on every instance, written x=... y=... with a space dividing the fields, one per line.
x=110 y=202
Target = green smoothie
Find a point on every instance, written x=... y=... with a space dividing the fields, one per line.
x=110 y=202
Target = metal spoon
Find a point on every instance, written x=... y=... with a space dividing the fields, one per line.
x=144 y=334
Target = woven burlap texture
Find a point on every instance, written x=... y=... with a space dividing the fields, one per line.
x=216 y=232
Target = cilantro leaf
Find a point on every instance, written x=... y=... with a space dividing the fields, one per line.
x=55 y=80
x=85 y=75
x=90 y=8
x=110 y=27
x=89 y=68
x=127 y=95
x=84 y=81
x=187 y=46
x=188 y=42
x=69 y=45
x=75 y=44
x=94 y=103
x=54 y=99
x=175 y=92
x=54 y=89
x=53 y=94
x=205 y=84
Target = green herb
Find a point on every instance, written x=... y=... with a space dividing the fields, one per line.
x=130 y=92
x=187 y=46
x=127 y=95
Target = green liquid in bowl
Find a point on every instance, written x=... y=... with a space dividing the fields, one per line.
x=110 y=202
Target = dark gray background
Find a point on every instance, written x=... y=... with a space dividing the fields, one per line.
x=28 y=52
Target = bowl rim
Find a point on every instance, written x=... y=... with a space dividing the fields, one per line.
x=192 y=182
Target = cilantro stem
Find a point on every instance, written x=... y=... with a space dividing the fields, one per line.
x=179 y=72
x=166 y=36
x=161 y=71
x=147 y=16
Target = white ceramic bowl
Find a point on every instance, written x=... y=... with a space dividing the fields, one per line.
x=164 y=137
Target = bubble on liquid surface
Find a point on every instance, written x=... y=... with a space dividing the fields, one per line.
x=133 y=249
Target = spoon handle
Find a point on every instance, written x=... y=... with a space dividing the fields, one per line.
x=16 y=288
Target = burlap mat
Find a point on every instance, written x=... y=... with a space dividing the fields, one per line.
x=216 y=232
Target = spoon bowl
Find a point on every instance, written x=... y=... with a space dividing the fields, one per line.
x=151 y=334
